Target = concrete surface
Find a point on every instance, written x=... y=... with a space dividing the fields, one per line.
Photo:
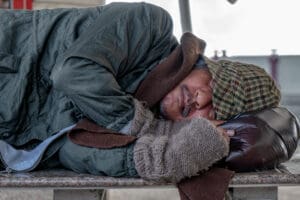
x=289 y=193
x=25 y=194
x=285 y=193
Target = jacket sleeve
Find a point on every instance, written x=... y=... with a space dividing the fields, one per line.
x=114 y=54
x=95 y=92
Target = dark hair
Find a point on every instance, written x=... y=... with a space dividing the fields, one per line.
x=200 y=63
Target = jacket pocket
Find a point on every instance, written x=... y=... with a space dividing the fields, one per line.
x=8 y=63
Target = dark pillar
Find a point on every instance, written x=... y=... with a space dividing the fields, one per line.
x=185 y=15
x=274 y=60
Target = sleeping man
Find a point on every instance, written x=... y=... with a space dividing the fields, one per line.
x=120 y=67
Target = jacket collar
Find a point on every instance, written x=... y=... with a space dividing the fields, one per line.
x=168 y=73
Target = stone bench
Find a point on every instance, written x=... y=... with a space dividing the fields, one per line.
x=71 y=185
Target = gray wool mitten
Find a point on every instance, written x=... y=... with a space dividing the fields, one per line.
x=168 y=151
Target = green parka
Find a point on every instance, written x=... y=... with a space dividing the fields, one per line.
x=57 y=66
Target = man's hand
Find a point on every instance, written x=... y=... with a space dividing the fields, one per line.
x=224 y=132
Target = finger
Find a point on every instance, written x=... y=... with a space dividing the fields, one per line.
x=230 y=133
x=227 y=138
x=217 y=122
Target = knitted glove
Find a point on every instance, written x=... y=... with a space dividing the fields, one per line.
x=168 y=151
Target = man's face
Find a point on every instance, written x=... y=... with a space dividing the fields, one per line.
x=191 y=98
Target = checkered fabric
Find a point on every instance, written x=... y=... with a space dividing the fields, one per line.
x=240 y=87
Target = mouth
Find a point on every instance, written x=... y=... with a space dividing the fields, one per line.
x=185 y=107
x=186 y=111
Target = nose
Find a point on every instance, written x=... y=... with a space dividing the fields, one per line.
x=201 y=98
